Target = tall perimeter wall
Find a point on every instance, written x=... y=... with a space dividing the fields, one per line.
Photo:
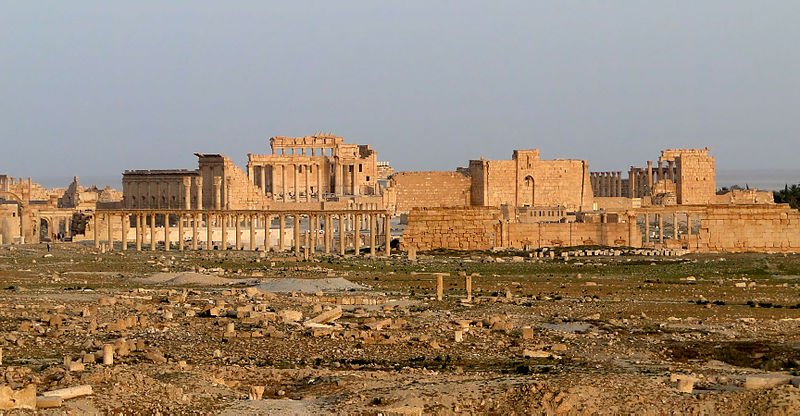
x=483 y=228
x=759 y=228
x=408 y=190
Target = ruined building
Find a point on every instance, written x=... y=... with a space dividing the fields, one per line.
x=30 y=213
x=309 y=171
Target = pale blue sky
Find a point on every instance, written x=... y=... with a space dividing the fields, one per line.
x=95 y=87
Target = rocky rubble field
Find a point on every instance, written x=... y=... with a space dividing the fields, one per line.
x=237 y=333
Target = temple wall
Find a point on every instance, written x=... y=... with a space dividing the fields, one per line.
x=754 y=228
x=429 y=189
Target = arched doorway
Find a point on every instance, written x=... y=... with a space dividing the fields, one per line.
x=530 y=189
x=44 y=229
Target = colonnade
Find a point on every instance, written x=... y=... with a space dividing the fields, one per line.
x=314 y=230
x=607 y=184
x=674 y=218
x=305 y=179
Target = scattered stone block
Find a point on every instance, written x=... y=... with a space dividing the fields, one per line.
x=256 y=392
x=326 y=317
x=766 y=381
x=527 y=332
x=18 y=399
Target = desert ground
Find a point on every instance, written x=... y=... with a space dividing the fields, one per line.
x=239 y=333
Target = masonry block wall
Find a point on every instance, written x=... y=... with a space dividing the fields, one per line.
x=469 y=228
x=696 y=184
x=429 y=189
x=568 y=234
x=482 y=228
x=750 y=228
x=526 y=180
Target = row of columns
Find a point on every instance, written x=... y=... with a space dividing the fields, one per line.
x=607 y=184
x=663 y=171
x=659 y=218
x=159 y=194
x=318 y=226
x=312 y=180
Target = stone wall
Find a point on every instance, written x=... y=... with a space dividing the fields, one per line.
x=526 y=180
x=569 y=234
x=753 y=228
x=473 y=228
x=696 y=182
x=482 y=228
x=428 y=190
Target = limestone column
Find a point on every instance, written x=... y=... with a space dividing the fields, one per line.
x=671 y=171
x=267 y=229
x=139 y=232
x=387 y=219
x=252 y=233
x=660 y=167
x=675 y=225
x=297 y=235
x=194 y=231
x=198 y=181
x=632 y=183
x=320 y=187
x=342 y=240
x=263 y=179
x=328 y=229
x=619 y=184
x=126 y=220
x=649 y=177
x=313 y=226
x=282 y=231
x=238 y=229
x=646 y=228
x=372 y=237
x=468 y=287
x=153 y=232
x=688 y=223
x=217 y=193
x=356 y=180
x=209 y=232
x=357 y=234
x=166 y=231
x=187 y=193
x=96 y=233
x=224 y=219
x=340 y=179
x=308 y=183
x=439 y=286
x=283 y=185
x=631 y=229
x=109 y=224
x=180 y=232
x=227 y=201
x=296 y=173
x=661 y=228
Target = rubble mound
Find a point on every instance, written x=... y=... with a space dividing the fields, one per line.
x=331 y=284
x=187 y=279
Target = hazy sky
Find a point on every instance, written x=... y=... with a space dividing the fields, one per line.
x=91 y=88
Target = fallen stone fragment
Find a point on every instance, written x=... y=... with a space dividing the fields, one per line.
x=326 y=317
x=256 y=392
x=536 y=354
x=20 y=399
x=70 y=392
x=49 y=402
x=685 y=382
x=766 y=381
x=403 y=411
x=288 y=315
